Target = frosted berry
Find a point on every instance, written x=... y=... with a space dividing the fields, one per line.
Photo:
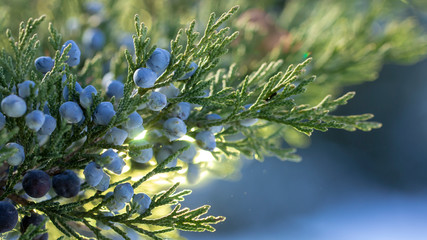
x=123 y=192
x=170 y=91
x=86 y=98
x=42 y=139
x=44 y=64
x=71 y=112
x=103 y=113
x=13 y=106
x=157 y=101
x=48 y=126
x=35 y=120
x=34 y=219
x=134 y=132
x=144 y=77
x=144 y=156
x=159 y=61
x=163 y=153
x=134 y=120
x=24 y=88
x=115 y=163
x=181 y=110
x=114 y=205
x=93 y=7
x=65 y=91
x=214 y=129
x=18 y=157
x=8 y=216
x=206 y=140
x=93 y=174
x=116 y=89
x=189 y=154
x=143 y=202
x=74 y=53
x=104 y=184
x=93 y=38
x=116 y=136
x=36 y=183
x=66 y=184
x=193 y=67
x=174 y=128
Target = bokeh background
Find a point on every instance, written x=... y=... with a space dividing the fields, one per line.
x=370 y=186
x=349 y=185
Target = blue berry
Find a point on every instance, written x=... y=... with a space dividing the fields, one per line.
x=18 y=157
x=107 y=79
x=74 y=53
x=2 y=121
x=159 y=61
x=181 y=110
x=134 y=132
x=93 y=38
x=8 y=216
x=48 y=126
x=71 y=112
x=169 y=91
x=42 y=139
x=116 y=136
x=206 y=140
x=114 y=205
x=103 y=113
x=104 y=184
x=116 y=89
x=65 y=91
x=93 y=174
x=13 y=106
x=123 y=192
x=214 y=129
x=174 y=128
x=126 y=41
x=134 y=120
x=66 y=184
x=93 y=7
x=156 y=101
x=36 y=220
x=44 y=64
x=143 y=202
x=36 y=183
x=144 y=77
x=86 y=98
x=189 y=154
x=35 y=120
x=144 y=156
x=163 y=153
x=115 y=163
x=24 y=88
x=193 y=67
x=193 y=173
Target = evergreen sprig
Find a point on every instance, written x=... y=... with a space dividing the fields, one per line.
x=269 y=96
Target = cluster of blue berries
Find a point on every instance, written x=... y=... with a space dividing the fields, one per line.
x=97 y=174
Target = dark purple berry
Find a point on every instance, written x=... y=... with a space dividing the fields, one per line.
x=35 y=219
x=8 y=216
x=36 y=183
x=66 y=184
